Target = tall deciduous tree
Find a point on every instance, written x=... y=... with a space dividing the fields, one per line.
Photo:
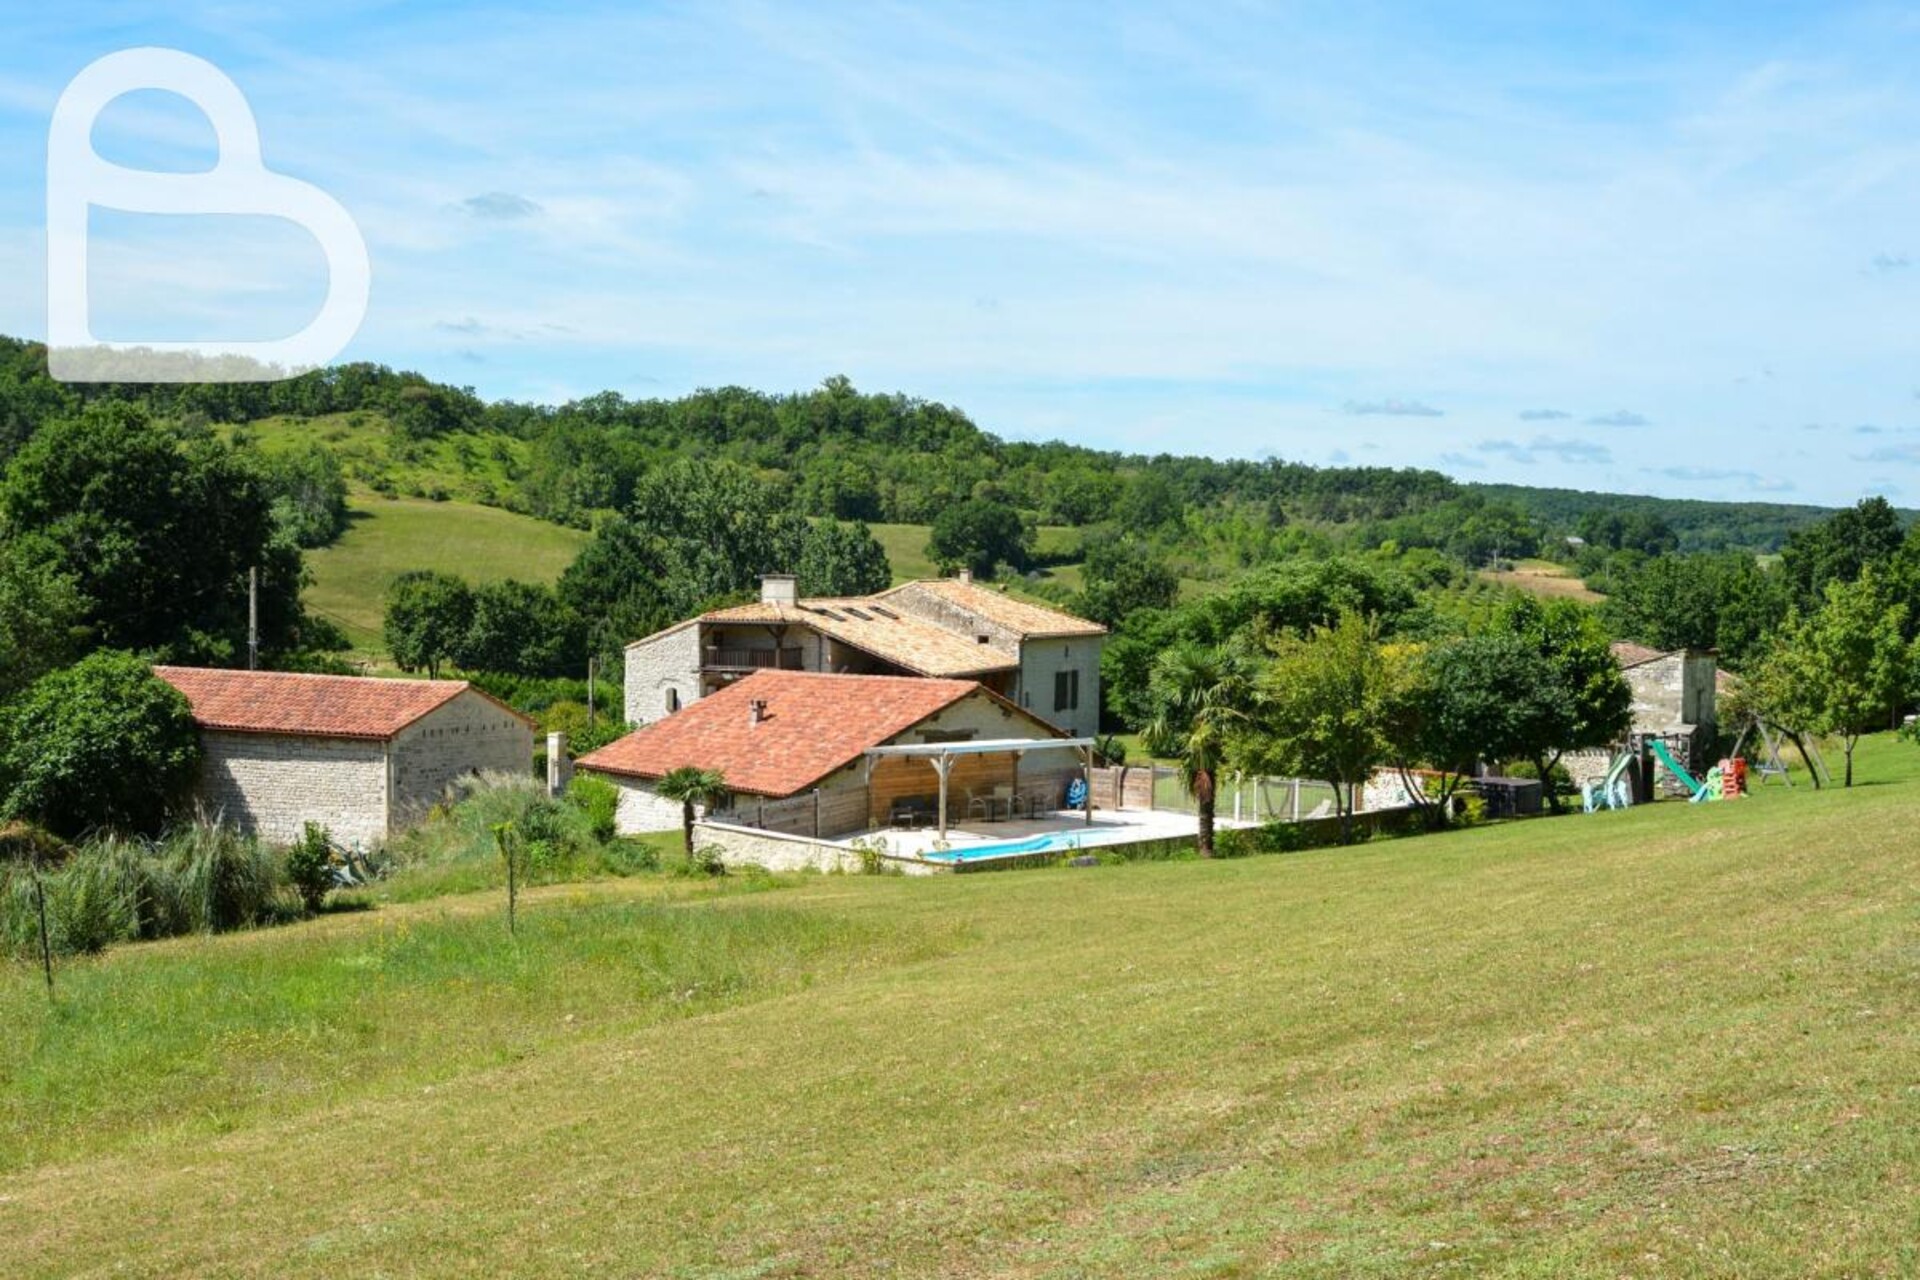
x=842 y=560
x=980 y=534
x=1586 y=703
x=154 y=530
x=1843 y=669
x=429 y=616
x=103 y=743
x=1199 y=695
x=1323 y=708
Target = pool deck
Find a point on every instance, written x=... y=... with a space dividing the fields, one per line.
x=1110 y=826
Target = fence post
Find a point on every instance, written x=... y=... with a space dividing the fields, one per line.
x=1296 y=799
x=816 y=813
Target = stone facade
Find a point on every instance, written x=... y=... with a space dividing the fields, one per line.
x=667 y=670
x=1042 y=662
x=271 y=785
x=662 y=673
x=361 y=790
x=471 y=734
x=744 y=846
x=976 y=716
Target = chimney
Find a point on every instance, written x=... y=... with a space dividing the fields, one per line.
x=756 y=710
x=779 y=588
x=966 y=576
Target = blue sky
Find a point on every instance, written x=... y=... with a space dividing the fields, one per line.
x=1628 y=246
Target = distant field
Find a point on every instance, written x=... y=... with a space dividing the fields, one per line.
x=390 y=536
x=1543 y=578
x=1676 y=1041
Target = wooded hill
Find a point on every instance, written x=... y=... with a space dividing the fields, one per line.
x=872 y=457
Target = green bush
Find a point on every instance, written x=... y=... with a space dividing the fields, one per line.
x=224 y=880
x=102 y=744
x=454 y=850
x=599 y=800
x=310 y=866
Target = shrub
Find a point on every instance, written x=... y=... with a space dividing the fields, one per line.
x=103 y=743
x=599 y=800
x=310 y=866
x=224 y=880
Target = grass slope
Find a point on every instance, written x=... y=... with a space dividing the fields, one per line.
x=1674 y=1041
x=389 y=536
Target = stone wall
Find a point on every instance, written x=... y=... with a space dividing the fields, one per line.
x=641 y=809
x=668 y=661
x=746 y=846
x=1041 y=660
x=271 y=785
x=471 y=734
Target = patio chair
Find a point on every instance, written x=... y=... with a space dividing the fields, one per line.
x=977 y=803
x=1010 y=800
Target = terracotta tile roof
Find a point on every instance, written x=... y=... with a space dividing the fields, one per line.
x=814 y=724
x=1028 y=620
x=896 y=637
x=308 y=705
x=1628 y=654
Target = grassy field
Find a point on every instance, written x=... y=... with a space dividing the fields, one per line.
x=1543 y=578
x=389 y=536
x=1674 y=1041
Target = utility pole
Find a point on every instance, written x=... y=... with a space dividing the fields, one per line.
x=593 y=669
x=253 y=618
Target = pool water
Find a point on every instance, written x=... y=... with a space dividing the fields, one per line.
x=1052 y=841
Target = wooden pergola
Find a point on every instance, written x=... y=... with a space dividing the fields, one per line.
x=941 y=756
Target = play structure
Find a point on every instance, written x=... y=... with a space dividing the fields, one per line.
x=1615 y=791
x=1630 y=777
x=1770 y=766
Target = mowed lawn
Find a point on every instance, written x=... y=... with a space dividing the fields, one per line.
x=1678 y=1041
x=389 y=536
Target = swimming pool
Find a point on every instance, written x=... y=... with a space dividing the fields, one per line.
x=1056 y=841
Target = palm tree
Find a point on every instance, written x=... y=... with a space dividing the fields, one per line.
x=692 y=787
x=1199 y=695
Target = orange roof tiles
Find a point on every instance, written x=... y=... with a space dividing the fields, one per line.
x=1628 y=654
x=814 y=724
x=1028 y=620
x=308 y=705
x=903 y=640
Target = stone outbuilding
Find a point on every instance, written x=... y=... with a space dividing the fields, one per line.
x=363 y=757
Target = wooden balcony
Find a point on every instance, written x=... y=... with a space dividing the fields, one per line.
x=714 y=658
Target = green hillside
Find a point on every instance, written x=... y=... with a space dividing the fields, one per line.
x=1674 y=1041
x=388 y=536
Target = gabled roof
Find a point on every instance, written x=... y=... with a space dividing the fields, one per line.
x=1029 y=621
x=904 y=640
x=310 y=705
x=1628 y=654
x=813 y=725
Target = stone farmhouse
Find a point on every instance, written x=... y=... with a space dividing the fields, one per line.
x=795 y=748
x=363 y=757
x=1044 y=661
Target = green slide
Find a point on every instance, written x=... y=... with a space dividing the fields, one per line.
x=1673 y=766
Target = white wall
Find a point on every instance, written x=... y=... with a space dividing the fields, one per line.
x=641 y=809
x=1040 y=660
x=272 y=785
x=667 y=661
x=471 y=734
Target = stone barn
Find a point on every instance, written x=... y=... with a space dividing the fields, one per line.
x=798 y=751
x=363 y=757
